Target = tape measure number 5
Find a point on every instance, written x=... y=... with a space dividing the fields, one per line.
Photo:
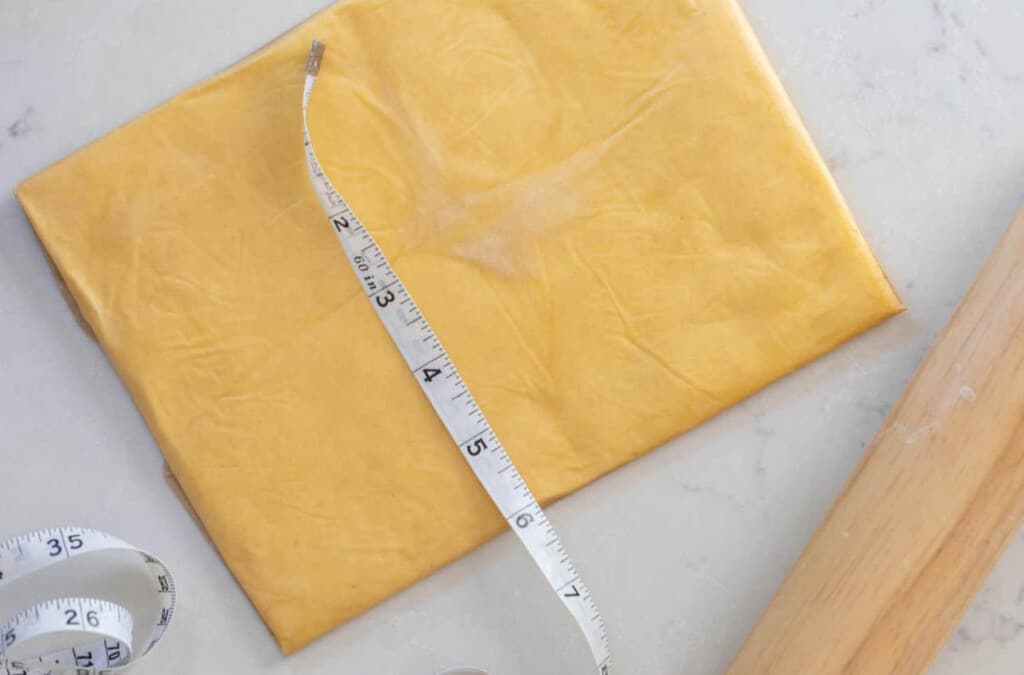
x=429 y=363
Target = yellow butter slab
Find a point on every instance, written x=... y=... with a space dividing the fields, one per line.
x=609 y=212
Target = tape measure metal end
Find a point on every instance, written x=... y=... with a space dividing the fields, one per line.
x=316 y=54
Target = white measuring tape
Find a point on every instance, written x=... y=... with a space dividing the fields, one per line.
x=108 y=627
x=433 y=369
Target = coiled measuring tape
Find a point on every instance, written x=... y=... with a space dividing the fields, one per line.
x=429 y=363
x=109 y=625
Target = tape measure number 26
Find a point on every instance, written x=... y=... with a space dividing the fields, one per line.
x=429 y=363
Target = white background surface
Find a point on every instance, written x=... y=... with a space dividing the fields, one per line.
x=915 y=104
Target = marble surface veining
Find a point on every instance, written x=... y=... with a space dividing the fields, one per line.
x=915 y=105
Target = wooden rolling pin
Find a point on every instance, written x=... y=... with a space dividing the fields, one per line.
x=934 y=501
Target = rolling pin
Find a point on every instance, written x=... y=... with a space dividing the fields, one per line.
x=932 y=504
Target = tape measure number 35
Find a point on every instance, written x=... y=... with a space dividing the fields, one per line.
x=429 y=363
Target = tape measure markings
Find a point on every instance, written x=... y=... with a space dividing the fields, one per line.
x=448 y=393
x=33 y=552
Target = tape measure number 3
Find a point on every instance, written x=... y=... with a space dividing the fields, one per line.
x=106 y=628
x=429 y=363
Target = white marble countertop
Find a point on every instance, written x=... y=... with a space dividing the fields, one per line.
x=917 y=106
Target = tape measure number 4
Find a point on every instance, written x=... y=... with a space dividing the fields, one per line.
x=429 y=363
x=107 y=628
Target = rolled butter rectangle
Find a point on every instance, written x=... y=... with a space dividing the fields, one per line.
x=610 y=214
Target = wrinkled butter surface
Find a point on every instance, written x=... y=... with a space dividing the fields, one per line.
x=608 y=210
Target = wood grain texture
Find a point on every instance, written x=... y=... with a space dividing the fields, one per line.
x=934 y=501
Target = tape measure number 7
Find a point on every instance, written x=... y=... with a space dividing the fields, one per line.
x=444 y=387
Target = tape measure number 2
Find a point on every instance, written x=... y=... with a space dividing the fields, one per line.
x=102 y=631
x=429 y=363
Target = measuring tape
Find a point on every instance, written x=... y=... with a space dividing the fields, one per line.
x=108 y=624
x=433 y=369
